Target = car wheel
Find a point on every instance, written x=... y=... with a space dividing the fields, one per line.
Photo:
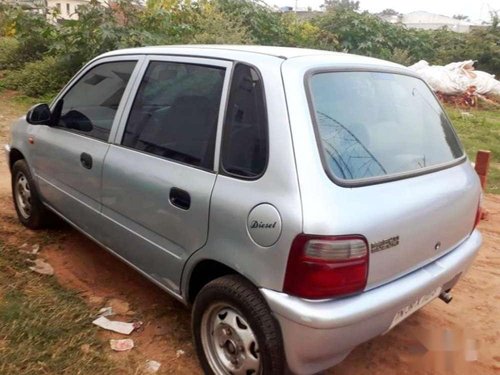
x=234 y=331
x=30 y=210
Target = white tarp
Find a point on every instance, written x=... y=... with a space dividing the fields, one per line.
x=456 y=78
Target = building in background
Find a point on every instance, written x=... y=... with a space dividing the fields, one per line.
x=66 y=9
x=430 y=21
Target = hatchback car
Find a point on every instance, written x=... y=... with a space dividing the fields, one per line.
x=301 y=201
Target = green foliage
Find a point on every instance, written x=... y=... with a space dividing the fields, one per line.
x=38 y=78
x=214 y=27
x=28 y=37
x=341 y=4
x=8 y=51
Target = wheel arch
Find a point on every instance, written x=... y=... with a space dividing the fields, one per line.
x=15 y=155
x=202 y=273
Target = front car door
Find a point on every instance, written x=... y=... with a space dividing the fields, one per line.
x=68 y=156
x=159 y=173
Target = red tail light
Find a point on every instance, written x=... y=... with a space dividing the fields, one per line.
x=326 y=266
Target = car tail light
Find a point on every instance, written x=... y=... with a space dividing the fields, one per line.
x=326 y=266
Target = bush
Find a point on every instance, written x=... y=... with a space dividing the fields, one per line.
x=8 y=52
x=38 y=78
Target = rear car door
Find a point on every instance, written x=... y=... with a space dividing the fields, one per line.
x=159 y=173
x=68 y=156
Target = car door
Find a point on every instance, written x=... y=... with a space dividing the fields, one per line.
x=159 y=173
x=68 y=156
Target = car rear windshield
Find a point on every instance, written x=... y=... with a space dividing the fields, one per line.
x=374 y=125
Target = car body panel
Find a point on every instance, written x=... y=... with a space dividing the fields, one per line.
x=154 y=234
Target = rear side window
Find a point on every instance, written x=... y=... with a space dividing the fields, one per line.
x=89 y=107
x=175 y=112
x=374 y=124
x=244 y=141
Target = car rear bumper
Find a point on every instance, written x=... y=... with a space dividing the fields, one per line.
x=320 y=334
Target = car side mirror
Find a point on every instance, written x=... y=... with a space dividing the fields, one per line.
x=39 y=115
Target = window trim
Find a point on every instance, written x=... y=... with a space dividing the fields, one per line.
x=222 y=170
x=81 y=73
x=377 y=179
x=203 y=61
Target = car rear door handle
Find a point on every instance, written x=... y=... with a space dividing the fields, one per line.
x=86 y=160
x=180 y=198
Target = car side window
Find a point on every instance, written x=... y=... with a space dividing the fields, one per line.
x=175 y=112
x=244 y=141
x=89 y=107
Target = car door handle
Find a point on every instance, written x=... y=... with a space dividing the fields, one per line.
x=180 y=198
x=86 y=160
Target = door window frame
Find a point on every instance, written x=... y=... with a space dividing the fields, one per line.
x=139 y=60
x=134 y=89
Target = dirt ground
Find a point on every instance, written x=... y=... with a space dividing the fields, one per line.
x=462 y=337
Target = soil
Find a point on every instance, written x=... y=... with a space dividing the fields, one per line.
x=462 y=337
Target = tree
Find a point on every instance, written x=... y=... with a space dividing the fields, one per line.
x=341 y=4
x=389 y=12
x=461 y=17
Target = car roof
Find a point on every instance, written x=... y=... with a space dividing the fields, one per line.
x=249 y=53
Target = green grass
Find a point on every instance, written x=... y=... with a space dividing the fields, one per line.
x=42 y=325
x=479 y=129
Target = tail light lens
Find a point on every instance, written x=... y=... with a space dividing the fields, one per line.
x=326 y=266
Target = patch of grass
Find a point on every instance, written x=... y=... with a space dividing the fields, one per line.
x=479 y=129
x=42 y=325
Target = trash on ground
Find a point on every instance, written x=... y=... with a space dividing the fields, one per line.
x=151 y=367
x=179 y=353
x=457 y=78
x=42 y=267
x=106 y=311
x=119 y=327
x=34 y=249
x=121 y=345
x=85 y=348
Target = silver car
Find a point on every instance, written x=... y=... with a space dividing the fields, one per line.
x=301 y=201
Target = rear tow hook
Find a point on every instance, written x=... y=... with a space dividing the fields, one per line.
x=446 y=297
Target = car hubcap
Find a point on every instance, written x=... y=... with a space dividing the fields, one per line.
x=228 y=341
x=23 y=195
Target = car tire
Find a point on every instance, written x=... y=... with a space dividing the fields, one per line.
x=30 y=209
x=234 y=329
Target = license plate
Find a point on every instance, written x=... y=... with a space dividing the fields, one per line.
x=406 y=311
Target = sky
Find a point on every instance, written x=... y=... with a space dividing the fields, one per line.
x=475 y=9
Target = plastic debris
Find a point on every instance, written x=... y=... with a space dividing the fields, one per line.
x=42 y=267
x=106 y=311
x=121 y=345
x=34 y=249
x=119 y=327
x=179 y=353
x=151 y=367
x=457 y=78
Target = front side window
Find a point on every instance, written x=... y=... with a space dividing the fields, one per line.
x=375 y=124
x=89 y=107
x=244 y=141
x=175 y=112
